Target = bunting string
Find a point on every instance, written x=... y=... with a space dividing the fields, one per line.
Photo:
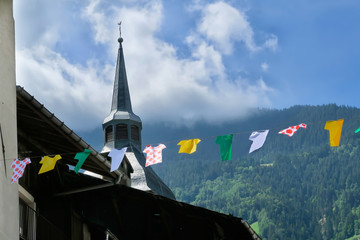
x=154 y=154
x=168 y=142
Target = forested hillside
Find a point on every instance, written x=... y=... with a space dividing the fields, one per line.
x=308 y=190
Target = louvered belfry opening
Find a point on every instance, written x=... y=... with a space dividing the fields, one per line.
x=121 y=131
x=135 y=133
x=109 y=134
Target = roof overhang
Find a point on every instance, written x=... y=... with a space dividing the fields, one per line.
x=121 y=115
x=41 y=133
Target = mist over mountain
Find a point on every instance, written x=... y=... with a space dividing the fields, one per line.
x=275 y=120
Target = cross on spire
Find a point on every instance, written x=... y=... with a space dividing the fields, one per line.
x=119 y=28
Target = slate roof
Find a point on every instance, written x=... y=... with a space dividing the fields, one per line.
x=144 y=178
x=121 y=103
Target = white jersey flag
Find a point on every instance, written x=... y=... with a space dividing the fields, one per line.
x=116 y=158
x=258 y=138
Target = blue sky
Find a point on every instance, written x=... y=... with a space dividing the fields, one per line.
x=189 y=60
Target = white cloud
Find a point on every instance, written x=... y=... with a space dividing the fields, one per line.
x=163 y=86
x=272 y=42
x=75 y=93
x=102 y=34
x=224 y=25
x=38 y=22
x=264 y=66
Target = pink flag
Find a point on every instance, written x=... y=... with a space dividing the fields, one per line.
x=153 y=154
x=19 y=168
x=291 y=130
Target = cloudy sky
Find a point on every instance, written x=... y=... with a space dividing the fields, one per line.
x=188 y=60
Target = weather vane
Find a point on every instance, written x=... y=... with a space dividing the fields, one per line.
x=119 y=28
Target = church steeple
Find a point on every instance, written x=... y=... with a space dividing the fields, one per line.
x=121 y=95
x=121 y=127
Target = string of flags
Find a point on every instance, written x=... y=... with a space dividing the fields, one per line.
x=258 y=139
x=154 y=154
x=48 y=163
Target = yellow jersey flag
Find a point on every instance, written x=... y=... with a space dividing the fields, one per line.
x=48 y=163
x=188 y=146
x=335 y=128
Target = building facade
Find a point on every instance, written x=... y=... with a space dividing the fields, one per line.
x=9 y=221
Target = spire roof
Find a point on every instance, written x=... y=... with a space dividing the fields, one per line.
x=121 y=95
x=121 y=108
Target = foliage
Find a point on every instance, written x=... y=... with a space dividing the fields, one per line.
x=255 y=227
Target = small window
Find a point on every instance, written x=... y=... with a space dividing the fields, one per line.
x=135 y=133
x=109 y=134
x=27 y=221
x=121 y=131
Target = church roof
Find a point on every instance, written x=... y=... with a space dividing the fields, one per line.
x=144 y=178
x=121 y=95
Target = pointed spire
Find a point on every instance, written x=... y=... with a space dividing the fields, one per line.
x=121 y=95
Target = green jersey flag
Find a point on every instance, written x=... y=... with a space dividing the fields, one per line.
x=225 y=146
x=81 y=156
x=357 y=130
